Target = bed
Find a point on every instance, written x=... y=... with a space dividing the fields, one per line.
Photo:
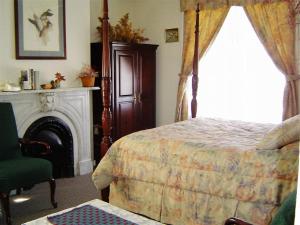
x=200 y=171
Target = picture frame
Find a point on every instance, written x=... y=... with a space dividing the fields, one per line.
x=40 y=29
x=172 y=35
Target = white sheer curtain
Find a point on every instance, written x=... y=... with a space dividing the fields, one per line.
x=237 y=78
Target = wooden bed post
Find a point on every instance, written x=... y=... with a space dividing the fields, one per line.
x=195 y=66
x=105 y=85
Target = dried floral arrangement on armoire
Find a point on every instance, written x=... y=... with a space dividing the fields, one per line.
x=123 y=31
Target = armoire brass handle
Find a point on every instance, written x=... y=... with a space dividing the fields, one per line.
x=139 y=97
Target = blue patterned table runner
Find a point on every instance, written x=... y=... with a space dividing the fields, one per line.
x=88 y=215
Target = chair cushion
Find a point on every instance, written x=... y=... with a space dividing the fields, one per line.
x=22 y=172
x=286 y=213
x=8 y=133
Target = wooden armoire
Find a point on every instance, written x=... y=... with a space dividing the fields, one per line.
x=133 y=77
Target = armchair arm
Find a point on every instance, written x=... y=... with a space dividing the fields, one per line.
x=26 y=144
x=236 y=221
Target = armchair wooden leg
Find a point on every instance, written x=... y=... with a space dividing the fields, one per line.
x=52 y=192
x=19 y=190
x=5 y=204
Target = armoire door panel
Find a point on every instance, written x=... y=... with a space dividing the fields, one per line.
x=126 y=75
x=147 y=80
x=125 y=90
x=147 y=113
x=126 y=118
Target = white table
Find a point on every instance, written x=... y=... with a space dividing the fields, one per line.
x=104 y=206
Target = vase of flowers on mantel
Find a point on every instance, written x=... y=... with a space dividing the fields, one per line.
x=87 y=76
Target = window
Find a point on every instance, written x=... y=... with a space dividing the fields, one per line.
x=237 y=78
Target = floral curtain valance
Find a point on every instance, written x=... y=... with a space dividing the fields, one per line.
x=212 y=4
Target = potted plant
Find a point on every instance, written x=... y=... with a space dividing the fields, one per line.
x=87 y=76
x=123 y=31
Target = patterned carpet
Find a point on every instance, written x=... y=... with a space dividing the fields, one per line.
x=69 y=192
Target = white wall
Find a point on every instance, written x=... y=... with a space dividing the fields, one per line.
x=77 y=39
x=154 y=16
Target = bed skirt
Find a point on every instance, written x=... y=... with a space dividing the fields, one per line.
x=176 y=206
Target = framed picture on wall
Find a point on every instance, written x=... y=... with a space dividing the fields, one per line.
x=172 y=35
x=40 y=29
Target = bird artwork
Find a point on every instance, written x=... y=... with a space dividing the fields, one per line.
x=42 y=24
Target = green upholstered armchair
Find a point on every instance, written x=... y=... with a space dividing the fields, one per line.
x=284 y=216
x=16 y=170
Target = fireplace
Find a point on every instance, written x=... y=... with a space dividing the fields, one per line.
x=62 y=117
x=58 y=135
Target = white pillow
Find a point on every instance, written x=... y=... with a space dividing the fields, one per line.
x=285 y=133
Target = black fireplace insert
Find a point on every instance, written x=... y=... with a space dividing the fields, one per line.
x=58 y=135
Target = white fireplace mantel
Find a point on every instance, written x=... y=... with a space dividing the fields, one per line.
x=72 y=105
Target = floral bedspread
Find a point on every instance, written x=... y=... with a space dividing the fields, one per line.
x=199 y=171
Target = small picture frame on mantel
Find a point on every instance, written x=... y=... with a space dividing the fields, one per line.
x=40 y=29
x=172 y=35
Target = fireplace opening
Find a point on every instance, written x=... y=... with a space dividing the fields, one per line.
x=58 y=135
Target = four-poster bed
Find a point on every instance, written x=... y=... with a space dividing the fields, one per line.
x=106 y=88
x=105 y=84
x=199 y=171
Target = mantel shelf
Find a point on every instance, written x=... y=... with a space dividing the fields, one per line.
x=50 y=90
